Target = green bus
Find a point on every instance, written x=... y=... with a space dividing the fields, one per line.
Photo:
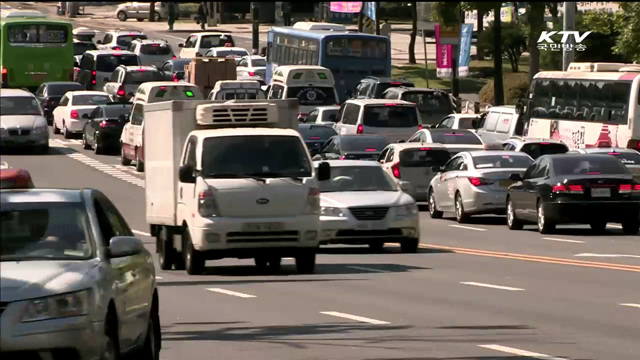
x=33 y=51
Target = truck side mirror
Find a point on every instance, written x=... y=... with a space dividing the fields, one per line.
x=324 y=171
x=186 y=174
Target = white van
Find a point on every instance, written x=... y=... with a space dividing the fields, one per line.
x=499 y=125
x=313 y=86
x=198 y=44
x=236 y=89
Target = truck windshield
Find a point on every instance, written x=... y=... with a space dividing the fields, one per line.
x=260 y=156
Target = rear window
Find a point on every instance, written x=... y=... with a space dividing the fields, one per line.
x=19 y=105
x=390 y=116
x=258 y=62
x=588 y=165
x=327 y=115
x=113 y=112
x=61 y=89
x=231 y=53
x=465 y=123
x=126 y=40
x=454 y=137
x=210 y=41
x=363 y=143
x=382 y=87
x=316 y=133
x=81 y=48
x=423 y=157
x=155 y=49
x=261 y=155
x=141 y=76
x=37 y=34
x=90 y=99
x=431 y=103
x=108 y=63
x=178 y=65
x=177 y=93
x=313 y=95
x=536 y=150
x=627 y=158
x=501 y=162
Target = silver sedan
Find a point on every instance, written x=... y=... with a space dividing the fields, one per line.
x=475 y=182
x=76 y=283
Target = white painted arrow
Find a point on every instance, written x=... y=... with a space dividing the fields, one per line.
x=608 y=255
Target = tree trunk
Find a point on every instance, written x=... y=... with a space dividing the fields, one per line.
x=536 y=24
x=152 y=11
x=480 y=22
x=414 y=32
x=360 y=21
x=497 y=58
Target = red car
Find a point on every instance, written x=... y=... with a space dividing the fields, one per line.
x=15 y=179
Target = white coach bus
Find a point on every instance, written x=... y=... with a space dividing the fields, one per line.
x=590 y=105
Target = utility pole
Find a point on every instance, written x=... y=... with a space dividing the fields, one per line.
x=152 y=11
x=498 y=90
x=255 y=20
x=569 y=24
x=377 y=8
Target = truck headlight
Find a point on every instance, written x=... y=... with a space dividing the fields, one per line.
x=406 y=210
x=58 y=306
x=331 y=211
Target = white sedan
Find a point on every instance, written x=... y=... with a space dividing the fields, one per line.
x=227 y=52
x=361 y=204
x=68 y=116
x=252 y=66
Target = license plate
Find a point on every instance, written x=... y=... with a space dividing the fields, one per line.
x=259 y=227
x=601 y=192
x=371 y=225
x=505 y=183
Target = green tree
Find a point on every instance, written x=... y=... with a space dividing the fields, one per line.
x=624 y=25
x=513 y=42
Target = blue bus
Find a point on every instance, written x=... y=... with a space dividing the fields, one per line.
x=350 y=56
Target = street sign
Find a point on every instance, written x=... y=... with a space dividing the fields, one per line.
x=449 y=35
x=424 y=10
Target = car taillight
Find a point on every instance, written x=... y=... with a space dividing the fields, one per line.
x=74 y=114
x=633 y=144
x=636 y=187
x=625 y=189
x=93 y=77
x=566 y=189
x=173 y=57
x=313 y=202
x=576 y=189
x=104 y=124
x=251 y=73
x=420 y=127
x=175 y=77
x=390 y=104
x=343 y=157
x=360 y=129
x=121 y=91
x=116 y=48
x=477 y=181
x=5 y=75
x=395 y=169
x=207 y=205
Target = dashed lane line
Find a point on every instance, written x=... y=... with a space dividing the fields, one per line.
x=608 y=255
x=232 y=293
x=491 y=286
x=514 y=351
x=468 y=227
x=564 y=240
x=354 y=317
x=631 y=305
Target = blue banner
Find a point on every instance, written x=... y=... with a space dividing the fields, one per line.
x=369 y=9
x=466 y=31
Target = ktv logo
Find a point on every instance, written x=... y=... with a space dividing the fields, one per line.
x=545 y=42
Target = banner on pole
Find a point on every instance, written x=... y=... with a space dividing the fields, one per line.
x=443 y=56
x=346 y=7
x=444 y=52
x=369 y=9
x=466 y=31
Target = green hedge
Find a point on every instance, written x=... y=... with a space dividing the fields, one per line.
x=515 y=86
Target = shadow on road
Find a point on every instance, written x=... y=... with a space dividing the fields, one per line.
x=388 y=250
x=242 y=282
x=29 y=152
x=483 y=220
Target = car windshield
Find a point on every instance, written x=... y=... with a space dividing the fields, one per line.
x=231 y=53
x=390 y=116
x=423 y=157
x=138 y=77
x=313 y=95
x=108 y=63
x=363 y=143
x=502 y=162
x=90 y=99
x=454 y=137
x=432 y=103
x=535 y=150
x=45 y=231
x=357 y=178
x=80 y=48
x=588 y=165
x=114 y=111
x=60 y=89
x=627 y=158
x=155 y=49
x=125 y=40
x=465 y=123
x=316 y=133
x=258 y=62
x=261 y=156
x=210 y=41
x=19 y=105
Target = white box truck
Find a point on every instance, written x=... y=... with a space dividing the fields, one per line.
x=230 y=180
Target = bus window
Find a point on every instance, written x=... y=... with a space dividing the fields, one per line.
x=37 y=33
x=313 y=95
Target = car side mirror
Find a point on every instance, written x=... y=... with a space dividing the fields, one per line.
x=406 y=187
x=186 y=174
x=180 y=45
x=324 y=171
x=123 y=246
x=85 y=116
x=99 y=42
x=515 y=177
x=436 y=169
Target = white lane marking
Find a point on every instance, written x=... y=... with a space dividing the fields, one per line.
x=607 y=255
x=564 y=240
x=468 y=227
x=140 y=233
x=631 y=305
x=491 y=286
x=232 y=293
x=519 y=352
x=107 y=169
x=158 y=277
x=614 y=226
x=354 y=317
x=367 y=269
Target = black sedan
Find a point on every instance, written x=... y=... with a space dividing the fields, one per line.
x=582 y=189
x=104 y=125
x=315 y=135
x=173 y=70
x=353 y=147
x=50 y=93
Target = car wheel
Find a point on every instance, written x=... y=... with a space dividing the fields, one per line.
x=98 y=148
x=545 y=226
x=140 y=19
x=433 y=210
x=631 y=227
x=461 y=216
x=512 y=221
x=376 y=246
x=112 y=347
x=123 y=158
x=151 y=348
x=165 y=250
x=409 y=245
x=44 y=149
x=139 y=162
x=65 y=132
x=85 y=143
x=122 y=16
x=193 y=260
x=56 y=130
x=306 y=262
x=598 y=227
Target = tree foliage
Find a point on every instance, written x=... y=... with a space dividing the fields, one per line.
x=513 y=43
x=622 y=27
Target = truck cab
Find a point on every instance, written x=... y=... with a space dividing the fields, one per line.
x=227 y=191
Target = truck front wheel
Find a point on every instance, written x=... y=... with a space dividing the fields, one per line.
x=306 y=262
x=193 y=259
x=164 y=248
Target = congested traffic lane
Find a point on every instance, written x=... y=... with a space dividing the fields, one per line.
x=436 y=303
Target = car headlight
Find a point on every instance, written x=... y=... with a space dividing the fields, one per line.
x=331 y=211
x=58 y=306
x=40 y=130
x=407 y=210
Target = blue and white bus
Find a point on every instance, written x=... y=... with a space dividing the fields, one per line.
x=350 y=56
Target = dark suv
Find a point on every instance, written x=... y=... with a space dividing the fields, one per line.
x=372 y=87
